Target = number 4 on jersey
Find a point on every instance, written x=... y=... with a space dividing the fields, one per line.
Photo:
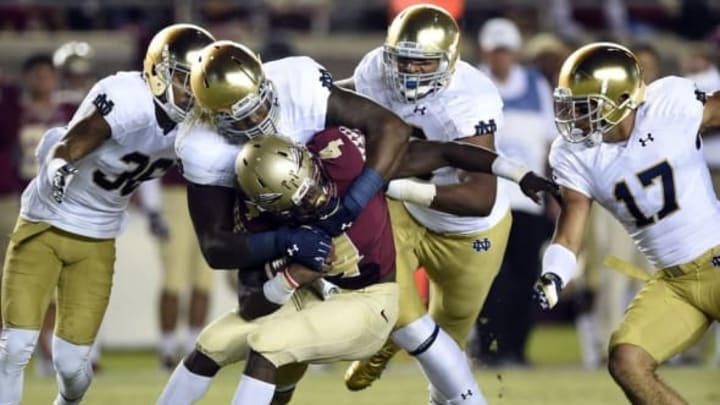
x=664 y=171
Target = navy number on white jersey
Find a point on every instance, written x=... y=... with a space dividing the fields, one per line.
x=664 y=171
x=128 y=181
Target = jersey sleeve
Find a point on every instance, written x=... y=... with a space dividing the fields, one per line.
x=477 y=110
x=677 y=99
x=368 y=71
x=567 y=170
x=304 y=87
x=205 y=157
x=123 y=102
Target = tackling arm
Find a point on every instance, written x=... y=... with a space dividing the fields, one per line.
x=386 y=134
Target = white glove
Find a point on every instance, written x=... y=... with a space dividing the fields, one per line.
x=412 y=191
x=60 y=172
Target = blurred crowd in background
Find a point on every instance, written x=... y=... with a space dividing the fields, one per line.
x=52 y=52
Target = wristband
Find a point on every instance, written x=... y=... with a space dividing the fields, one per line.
x=508 y=169
x=412 y=191
x=278 y=290
x=560 y=260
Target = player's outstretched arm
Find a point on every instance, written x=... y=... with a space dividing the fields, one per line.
x=386 y=133
x=386 y=142
x=424 y=156
x=559 y=263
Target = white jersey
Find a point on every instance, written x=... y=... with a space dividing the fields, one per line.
x=302 y=87
x=657 y=183
x=96 y=199
x=470 y=105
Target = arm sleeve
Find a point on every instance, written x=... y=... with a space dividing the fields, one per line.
x=567 y=170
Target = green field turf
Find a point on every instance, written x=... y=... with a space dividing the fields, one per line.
x=134 y=378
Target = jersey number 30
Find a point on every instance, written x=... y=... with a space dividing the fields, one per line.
x=128 y=181
x=664 y=171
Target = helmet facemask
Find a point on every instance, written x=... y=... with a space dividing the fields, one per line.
x=233 y=124
x=411 y=87
x=176 y=76
x=586 y=118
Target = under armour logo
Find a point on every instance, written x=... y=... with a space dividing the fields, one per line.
x=483 y=128
x=345 y=226
x=325 y=78
x=420 y=109
x=645 y=141
x=466 y=395
x=716 y=261
x=103 y=105
x=481 y=245
x=292 y=249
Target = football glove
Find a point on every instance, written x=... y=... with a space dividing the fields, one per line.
x=336 y=218
x=158 y=225
x=60 y=173
x=546 y=290
x=306 y=245
x=531 y=185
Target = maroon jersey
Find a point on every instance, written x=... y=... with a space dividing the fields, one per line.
x=366 y=252
x=173 y=177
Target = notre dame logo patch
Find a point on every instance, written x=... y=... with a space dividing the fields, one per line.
x=485 y=128
x=103 y=105
x=325 y=78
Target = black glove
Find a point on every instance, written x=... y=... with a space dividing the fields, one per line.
x=547 y=290
x=158 y=226
x=306 y=245
x=531 y=185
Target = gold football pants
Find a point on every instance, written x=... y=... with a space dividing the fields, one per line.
x=461 y=269
x=674 y=308
x=42 y=259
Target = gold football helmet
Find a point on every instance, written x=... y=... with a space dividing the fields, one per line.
x=283 y=178
x=167 y=65
x=598 y=86
x=230 y=84
x=422 y=32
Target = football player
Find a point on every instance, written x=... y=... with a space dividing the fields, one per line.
x=636 y=150
x=456 y=225
x=64 y=242
x=283 y=183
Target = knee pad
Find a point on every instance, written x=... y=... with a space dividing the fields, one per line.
x=68 y=358
x=17 y=346
x=417 y=336
x=200 y=364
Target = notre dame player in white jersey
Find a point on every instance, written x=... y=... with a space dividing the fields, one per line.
x=64 y=241
x=456 y=225
x=637 y=151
